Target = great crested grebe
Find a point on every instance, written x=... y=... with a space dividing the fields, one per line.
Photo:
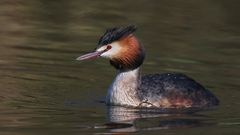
x=129 y=88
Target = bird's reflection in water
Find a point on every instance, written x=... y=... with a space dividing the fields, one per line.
x=126 y=120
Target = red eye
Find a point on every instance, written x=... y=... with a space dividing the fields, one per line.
x=109 y=47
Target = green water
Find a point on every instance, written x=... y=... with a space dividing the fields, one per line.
x=43 y=90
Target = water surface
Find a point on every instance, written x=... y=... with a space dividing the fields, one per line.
x=43 y=90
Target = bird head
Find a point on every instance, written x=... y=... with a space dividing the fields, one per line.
x=120 y=46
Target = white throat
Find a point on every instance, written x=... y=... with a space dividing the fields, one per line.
x=123 y=90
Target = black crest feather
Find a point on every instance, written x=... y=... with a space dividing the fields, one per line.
x=116 y=33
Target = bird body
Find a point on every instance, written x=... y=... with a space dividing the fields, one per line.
x=168 y=90
x=130 y=88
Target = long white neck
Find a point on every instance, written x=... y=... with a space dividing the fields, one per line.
x=123 y=90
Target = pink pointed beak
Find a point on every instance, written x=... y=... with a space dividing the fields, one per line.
x=90 y=55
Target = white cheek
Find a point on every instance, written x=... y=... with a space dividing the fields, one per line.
x=113 y=51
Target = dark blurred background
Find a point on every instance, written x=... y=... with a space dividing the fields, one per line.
x=44 y=90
